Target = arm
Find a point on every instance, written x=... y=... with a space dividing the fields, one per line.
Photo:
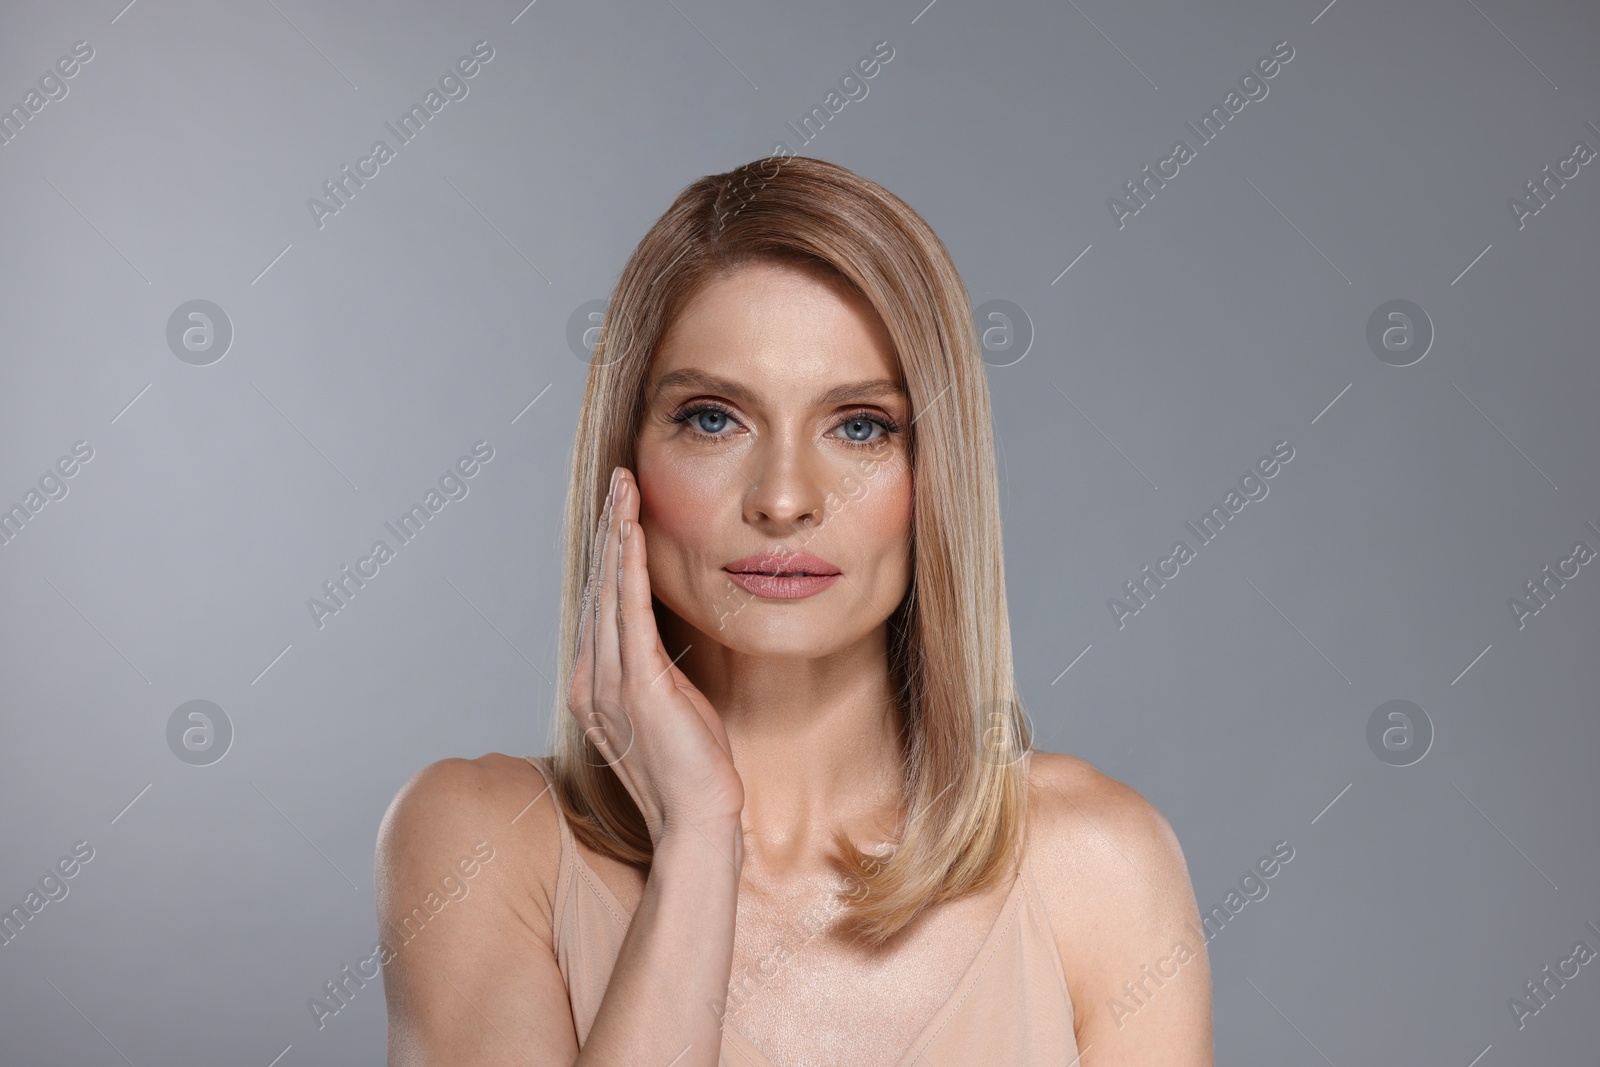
x=479 y=985
x=667 y=994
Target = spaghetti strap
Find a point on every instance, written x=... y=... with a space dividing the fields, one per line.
x=568 y=848
x=1027 y=845
x=561 y=818
x=1036 y=902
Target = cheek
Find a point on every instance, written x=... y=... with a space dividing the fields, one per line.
x=677 y=503
x=883 y=511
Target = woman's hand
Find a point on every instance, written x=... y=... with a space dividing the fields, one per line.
x=658 y=732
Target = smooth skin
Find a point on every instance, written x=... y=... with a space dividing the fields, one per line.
x=785 y=732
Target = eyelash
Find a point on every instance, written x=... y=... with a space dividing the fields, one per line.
x=889 y=425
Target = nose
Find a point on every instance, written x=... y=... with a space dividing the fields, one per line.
x=785 y=487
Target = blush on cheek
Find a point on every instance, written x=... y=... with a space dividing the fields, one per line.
x=887 y=496
x=878 y=519
x=678 y=503
x=680 y=512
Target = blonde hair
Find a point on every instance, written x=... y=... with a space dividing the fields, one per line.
x=965 y=732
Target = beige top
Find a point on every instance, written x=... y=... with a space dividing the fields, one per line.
x=1011 y=1006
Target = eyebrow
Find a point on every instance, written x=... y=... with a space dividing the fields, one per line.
x=840 y=394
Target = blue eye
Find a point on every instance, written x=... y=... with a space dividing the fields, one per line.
x=718 y=420
x=864 y=425
x=708 y=420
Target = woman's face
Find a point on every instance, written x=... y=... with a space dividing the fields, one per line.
x=775 y=422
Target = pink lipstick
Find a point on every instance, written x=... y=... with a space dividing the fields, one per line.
x=778 y=576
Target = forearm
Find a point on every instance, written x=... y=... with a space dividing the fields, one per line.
x=667 y=993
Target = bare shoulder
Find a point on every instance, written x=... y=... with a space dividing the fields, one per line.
x=496 y=808
x=1117 y=892
x=465 y=860
x=1089 y=819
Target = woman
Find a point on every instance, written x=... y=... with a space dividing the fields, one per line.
x=793 y=816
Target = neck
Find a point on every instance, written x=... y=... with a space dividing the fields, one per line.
x=816 y=741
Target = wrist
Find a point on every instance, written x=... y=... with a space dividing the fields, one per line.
x=696 y=845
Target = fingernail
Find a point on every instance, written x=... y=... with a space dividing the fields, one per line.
x=627 y=528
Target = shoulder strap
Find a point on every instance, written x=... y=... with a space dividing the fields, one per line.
x=1038 y=902
x=1027 y=837
x=540 y=762
x=568 y=848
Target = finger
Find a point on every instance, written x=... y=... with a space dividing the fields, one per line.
x=597 y=561
x=580 y=688
x=636 y=624
x=607 y=664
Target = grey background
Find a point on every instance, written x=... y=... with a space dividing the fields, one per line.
x=1227 y=315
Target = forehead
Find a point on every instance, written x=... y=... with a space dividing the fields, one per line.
x=774 y=326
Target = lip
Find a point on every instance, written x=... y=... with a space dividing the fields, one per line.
x=778 y=576
x=776 y=587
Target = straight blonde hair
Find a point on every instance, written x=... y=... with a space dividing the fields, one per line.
x=965 y=734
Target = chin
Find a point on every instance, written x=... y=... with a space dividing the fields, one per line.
x=801 y=633
x=790 y=639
